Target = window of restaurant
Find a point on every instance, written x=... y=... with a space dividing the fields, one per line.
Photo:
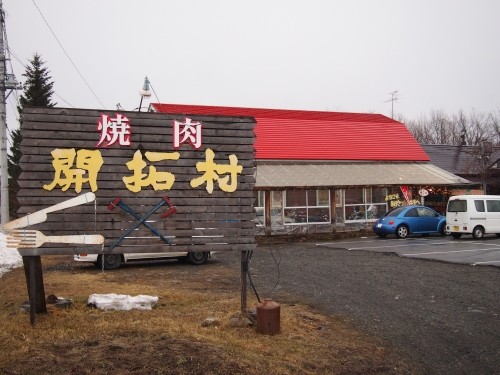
x=306 y=206
x=276 y=208
x=259 y=205
x=366 y=204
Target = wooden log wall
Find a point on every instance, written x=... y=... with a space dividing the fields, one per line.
x=204 y=221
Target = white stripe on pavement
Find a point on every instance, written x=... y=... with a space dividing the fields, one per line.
x=489 y=262
x=446 y=252
x=398 y=246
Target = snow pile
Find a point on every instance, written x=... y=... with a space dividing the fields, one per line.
x=122 y=301
x=9 y=258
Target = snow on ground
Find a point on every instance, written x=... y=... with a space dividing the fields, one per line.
x=122 y=301
x=9 y=258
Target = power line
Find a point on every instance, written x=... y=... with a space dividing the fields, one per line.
x=9 y=50
x=67 y=55
x=65 y=101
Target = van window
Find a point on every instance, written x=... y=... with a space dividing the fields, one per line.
x=457 y=205
x=479 y=205
x=493 y=206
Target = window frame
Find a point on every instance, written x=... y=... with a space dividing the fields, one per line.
x=367 y=210
x=306 y=209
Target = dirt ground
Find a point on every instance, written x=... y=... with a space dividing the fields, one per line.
x=342 y=312
x=170 y=339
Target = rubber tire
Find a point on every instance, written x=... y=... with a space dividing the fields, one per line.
x=456 y=235
x=443 y=231
x=111 y=261
x=402 y=231
x=197 y=258
x=478 y=232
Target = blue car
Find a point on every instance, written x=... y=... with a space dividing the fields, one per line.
x=406 y=220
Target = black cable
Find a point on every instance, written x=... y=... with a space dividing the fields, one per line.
x=249 y=256
x=67 y=55
x=277 y=268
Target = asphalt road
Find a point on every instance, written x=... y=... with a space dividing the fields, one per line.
x=444 y=318
x=466 y=250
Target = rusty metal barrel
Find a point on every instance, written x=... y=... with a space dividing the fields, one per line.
x=268 y=317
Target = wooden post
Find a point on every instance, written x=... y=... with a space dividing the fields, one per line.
x=34 y=283
x=267 y=212
x=333 y=207
x=244 y=271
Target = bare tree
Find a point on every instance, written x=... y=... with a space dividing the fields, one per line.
x=459 y=129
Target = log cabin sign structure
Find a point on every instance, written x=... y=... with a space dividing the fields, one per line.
x=202 y=165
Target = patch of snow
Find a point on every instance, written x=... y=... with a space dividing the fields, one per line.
x=122 y=301
x=9 y=257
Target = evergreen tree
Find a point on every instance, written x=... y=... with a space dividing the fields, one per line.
x=37 y=92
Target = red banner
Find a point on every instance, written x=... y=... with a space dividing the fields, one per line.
x=404 y=190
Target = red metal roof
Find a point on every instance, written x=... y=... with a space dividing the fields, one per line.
x=314 y=135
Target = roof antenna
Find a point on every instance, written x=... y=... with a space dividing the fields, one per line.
x=145 y=92
x=394 y=98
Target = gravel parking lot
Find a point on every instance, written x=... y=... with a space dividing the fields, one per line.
x=443 y=318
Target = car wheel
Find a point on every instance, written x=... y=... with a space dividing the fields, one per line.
x=456 y=235
x=402 y=231
x=382 y=235
x=444 y=232
x=111 y=261
x=478 y=232
x=197 y=257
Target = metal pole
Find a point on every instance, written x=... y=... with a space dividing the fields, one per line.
x=4 y=174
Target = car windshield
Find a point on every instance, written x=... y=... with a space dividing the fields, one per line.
x=395 y=212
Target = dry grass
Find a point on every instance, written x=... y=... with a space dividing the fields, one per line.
x=170 y=339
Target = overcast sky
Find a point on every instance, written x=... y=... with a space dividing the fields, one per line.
x=315 y=55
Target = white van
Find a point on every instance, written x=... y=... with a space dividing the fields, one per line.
x=473 y=214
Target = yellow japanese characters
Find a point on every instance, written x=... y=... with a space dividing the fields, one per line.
x=80 y=167
x=88 y=162
x=158 y=180
x=213 y=170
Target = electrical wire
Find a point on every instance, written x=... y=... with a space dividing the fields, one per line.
x=249 y=256
x=277 y=268
x=9 y=50
x=158 y=100
x=65 y=101
x=67 y=55
x=8 y=58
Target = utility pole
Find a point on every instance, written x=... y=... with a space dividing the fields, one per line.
x=7 y=82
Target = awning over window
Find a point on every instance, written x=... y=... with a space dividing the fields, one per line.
x=298 y=175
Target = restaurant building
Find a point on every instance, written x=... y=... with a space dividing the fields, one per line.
x=324 y=172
